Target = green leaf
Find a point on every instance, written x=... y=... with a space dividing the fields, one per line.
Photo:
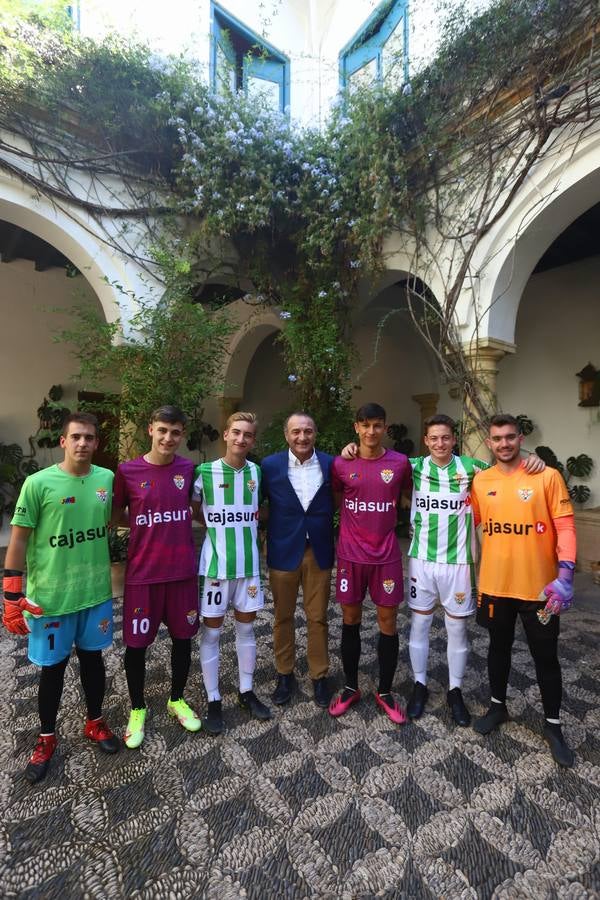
x=580 y=466
x=580 y=493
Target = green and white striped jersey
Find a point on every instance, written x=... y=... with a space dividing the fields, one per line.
x=230 y=499
x=441 y=515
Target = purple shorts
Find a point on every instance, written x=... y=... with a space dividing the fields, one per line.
x=385 y=583
x=145 y=606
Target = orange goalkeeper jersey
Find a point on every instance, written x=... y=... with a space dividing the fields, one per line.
x=518 y=551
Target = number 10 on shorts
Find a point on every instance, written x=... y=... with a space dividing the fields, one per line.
x=140 y=626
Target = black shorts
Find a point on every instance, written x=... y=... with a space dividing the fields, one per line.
x=500 y=613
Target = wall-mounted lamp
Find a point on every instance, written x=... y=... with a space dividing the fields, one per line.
x=589 y=386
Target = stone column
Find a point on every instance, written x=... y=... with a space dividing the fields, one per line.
x=227 y=406
x=428 y=404
x=483 y=358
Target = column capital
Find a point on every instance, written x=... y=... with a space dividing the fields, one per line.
x=489 y=349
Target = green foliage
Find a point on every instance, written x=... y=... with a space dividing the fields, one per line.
x=118 y=542
x=307 y=211
x=576 y=467
x=14 y=469
x=174 y=356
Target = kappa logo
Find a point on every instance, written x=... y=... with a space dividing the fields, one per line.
x=178 y=481
x=101 y=494
x=460 y=598
x=104 y=625
x=252 y=591
x=388 y=585
x=251 y=485
x=66 y=501
x=525 y=493
x=191 y=616
x=386 y=475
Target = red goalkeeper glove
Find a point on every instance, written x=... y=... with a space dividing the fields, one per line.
x=15 y=602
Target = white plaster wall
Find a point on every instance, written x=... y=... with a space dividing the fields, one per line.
x=399 y=368
x=557 y=334
x=265 y=390
x=31 y=361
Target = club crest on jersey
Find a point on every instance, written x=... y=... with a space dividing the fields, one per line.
x=102 y=494
x=104 y=625
x=458 y=477
x=460 y=598
x=191 y=616
x=386 y=475
x=388 y=585
x=251 y=485
x=66 y=501
x=252 y=591
x=525 y=493
x=178 y=481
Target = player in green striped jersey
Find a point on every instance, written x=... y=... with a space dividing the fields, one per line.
x=441 y=558
x=228 y=489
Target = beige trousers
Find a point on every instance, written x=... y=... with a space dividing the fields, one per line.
x=316 y=588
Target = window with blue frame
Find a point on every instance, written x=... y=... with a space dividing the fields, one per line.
x=379 y=49
x=243 y=61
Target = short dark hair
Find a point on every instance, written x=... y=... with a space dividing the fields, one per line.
x=501 y=419
x=83 y=418
x=370 y=411
x=170 y=414
x=298 y=412
x=438 y=419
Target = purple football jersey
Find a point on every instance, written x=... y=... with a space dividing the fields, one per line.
x=369 y=509
x=161 y=546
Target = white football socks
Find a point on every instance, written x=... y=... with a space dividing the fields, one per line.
x=418 y=645
x=209 y=660
x=458 y=648
x=245 y=644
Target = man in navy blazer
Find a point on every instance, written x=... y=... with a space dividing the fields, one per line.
x=297 y=485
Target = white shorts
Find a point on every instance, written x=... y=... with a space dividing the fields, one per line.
x=244 y=594
x=452 y=584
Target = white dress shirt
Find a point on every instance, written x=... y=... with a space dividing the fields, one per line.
x=306 y=478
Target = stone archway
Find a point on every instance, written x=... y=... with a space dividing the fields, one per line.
x=396 y=367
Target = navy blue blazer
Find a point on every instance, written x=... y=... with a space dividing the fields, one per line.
x=288 y=523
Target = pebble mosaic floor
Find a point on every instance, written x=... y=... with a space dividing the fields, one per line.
x=304 y=805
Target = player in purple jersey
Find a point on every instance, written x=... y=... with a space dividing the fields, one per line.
x=160 y=579
x=368 y=554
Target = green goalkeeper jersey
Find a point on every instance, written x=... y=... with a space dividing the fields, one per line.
x=68 y=565
x=441 y=515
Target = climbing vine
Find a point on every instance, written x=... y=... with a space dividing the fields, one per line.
x=300 y=215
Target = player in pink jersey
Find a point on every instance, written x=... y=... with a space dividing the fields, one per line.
x=160 y=579
x=368 y=554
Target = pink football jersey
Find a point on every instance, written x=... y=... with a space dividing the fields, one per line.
x=369 y=509
x=161 y=546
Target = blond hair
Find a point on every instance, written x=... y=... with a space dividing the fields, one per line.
x=241 y=417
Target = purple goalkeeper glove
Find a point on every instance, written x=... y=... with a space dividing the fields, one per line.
x=559 y=592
